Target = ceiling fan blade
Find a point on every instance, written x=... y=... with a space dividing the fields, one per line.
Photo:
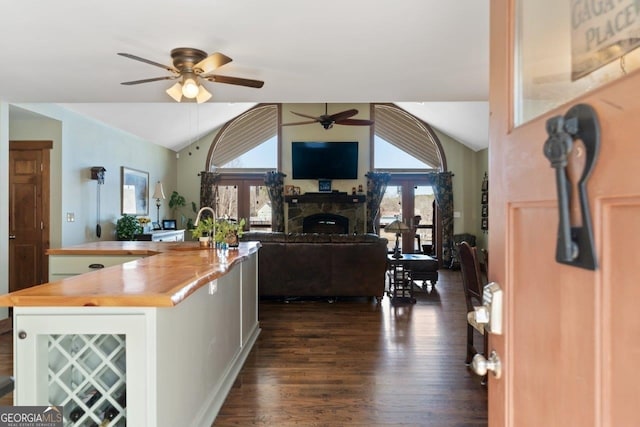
x=300 y=123
x=155 y=79
x=148 y=61
x=317 y=119
x=234 y=81
x=343 y=115
x=354 y=122
x=211 y=62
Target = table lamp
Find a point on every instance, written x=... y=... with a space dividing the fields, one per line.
x=397 y=227
x=158 y=194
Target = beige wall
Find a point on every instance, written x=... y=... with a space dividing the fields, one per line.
x=79 y=144
x=466 y=164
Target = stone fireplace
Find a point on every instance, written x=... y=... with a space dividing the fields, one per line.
x=325 y=223
x=329 y=213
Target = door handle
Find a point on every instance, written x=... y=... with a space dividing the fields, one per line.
x=574 y=241
x=481 y=365
x=12 y=236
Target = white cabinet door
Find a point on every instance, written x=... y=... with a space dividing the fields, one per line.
x=64 y=357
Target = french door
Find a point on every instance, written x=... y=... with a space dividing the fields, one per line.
x=244 y=196
x=411 y=200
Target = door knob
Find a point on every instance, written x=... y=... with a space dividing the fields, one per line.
x=12 y=236
x=481 y=365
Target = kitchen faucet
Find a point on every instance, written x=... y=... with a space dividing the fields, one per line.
x=213 y=214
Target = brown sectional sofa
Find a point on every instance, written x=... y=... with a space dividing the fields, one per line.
x=320 y=265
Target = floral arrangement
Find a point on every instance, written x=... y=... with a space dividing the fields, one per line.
x=143 y=220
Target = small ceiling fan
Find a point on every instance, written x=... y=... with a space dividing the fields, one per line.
x=328 y=120
x=191 y=66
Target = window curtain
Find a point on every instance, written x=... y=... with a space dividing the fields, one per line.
x=274 y=181
x=376 y=186
x=443 y=192
x=209 y=189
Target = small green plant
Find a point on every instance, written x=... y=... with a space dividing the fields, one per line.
x=203 y=229
x=176 y=203
x=127 y=227
x=229 y=231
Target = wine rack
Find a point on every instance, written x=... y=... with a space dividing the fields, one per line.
x=87 y=376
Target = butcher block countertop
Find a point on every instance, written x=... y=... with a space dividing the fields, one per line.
x=169 y=274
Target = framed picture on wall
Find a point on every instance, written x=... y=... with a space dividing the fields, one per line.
x=288 y=190
x=135 y=191
x=485 y=210
x=485 y=198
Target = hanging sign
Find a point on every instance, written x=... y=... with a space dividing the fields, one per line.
x=602 y=31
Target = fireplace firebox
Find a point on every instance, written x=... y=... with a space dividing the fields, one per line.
x=325 y=223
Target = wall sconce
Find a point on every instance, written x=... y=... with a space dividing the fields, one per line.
x=158 y=194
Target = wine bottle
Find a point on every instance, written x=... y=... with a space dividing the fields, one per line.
x=111 y=412
x=79 y=411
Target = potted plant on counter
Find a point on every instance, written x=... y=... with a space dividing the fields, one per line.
x=203 y=231
x=228 y=231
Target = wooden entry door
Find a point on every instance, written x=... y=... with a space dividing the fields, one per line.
x=28 y=213
x=571 y=344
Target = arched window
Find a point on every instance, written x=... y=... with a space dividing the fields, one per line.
x=244 y=149
x=248 y=143
x=410 y=151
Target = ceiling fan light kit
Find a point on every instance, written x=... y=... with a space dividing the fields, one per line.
x=192 y=65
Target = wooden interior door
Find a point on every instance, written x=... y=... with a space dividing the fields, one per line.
x=28 y=213
x=571 y=342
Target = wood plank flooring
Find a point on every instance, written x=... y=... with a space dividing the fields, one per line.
x=356 y=363
x=353 y=363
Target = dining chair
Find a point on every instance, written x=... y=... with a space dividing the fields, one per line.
x=472 y=284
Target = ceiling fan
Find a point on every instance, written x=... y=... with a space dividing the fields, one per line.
x=328 y=120
x=191 y=66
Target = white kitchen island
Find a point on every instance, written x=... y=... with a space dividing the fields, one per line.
x=172 y=330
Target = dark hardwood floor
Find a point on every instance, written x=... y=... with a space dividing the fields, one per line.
x=356 y=363
x=353 y=363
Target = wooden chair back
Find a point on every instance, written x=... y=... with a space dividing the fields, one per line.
x=471 y=278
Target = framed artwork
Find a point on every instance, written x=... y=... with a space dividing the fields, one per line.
x=288 y=190
x=485 y=210
x=485 y=224
x=324 y=185
x=135 y=191
x=485 y=198
x=296 y=191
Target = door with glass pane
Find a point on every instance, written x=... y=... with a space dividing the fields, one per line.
x=569 y=347
x=412 y=202
x=244 y=197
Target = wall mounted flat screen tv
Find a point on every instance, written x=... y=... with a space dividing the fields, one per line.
x=324 y=160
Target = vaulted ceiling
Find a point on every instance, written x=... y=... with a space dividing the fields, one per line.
x=430 y=57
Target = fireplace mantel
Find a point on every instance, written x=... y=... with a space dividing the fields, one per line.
x=325 y=198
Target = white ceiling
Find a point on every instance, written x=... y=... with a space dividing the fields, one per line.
x=431 y=57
